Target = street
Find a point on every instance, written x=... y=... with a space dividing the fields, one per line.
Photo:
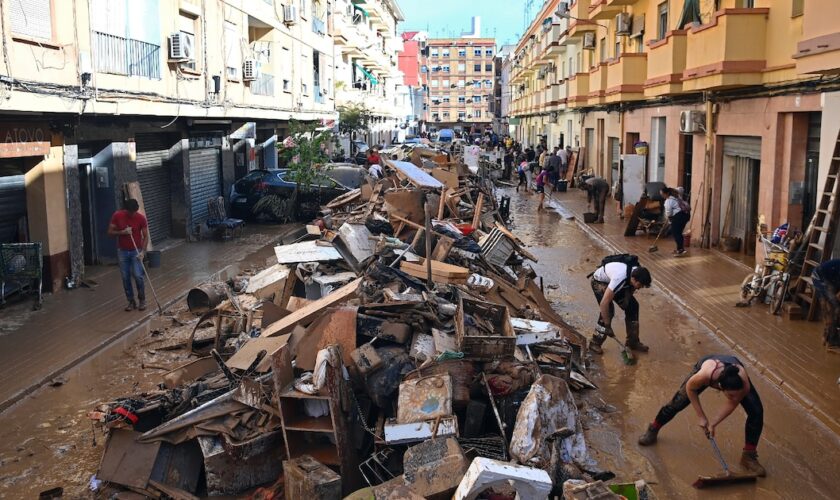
x=48 y=440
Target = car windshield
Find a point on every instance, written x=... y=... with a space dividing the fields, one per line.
x=348 y=177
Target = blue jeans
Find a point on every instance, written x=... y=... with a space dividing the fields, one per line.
x=130 y=266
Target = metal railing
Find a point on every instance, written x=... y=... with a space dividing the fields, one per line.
x=263 y=85
x=126 y=56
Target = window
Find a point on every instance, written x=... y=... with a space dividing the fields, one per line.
x=32 y=18
x=488 y=52
x=462 y=52
x=319 y=13
x=287 y=86
x=233 y=49
x=189 y=27
x=316 y=76
x=477 y=68
x=477 y=99
x=477 y=52
x=617 y=48
x=434 y=52
x=640 y=44
x=446 y=114
x=462 y=67
x=435 y=116
x=445 y=68
x=488 y=68
x=461 y=84
x=487 y=98
x=602 y=50
x=446 y=99
x=462 y=99
x=445 y=84
x=424 y=69
x=477 y=113
x=445 y=52
x=435 y=83
x=798 y=8
x=462 y=115
x=662 y=20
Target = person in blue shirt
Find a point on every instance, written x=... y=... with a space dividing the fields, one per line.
x=826 y=282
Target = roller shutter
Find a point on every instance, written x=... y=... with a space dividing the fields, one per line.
x=154 y=176
x=745 y=147
x=12 y=206
x=205 y=181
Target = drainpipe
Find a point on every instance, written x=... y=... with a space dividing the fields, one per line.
x=706 y=238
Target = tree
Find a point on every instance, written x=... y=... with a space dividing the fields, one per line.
x=353 y=118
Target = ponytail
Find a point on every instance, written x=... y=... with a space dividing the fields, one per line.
x=730 y=378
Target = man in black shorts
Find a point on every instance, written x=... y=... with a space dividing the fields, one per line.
x=728 y=375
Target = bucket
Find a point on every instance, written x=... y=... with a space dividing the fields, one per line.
x=154 y=258
x=562 y=185
x=590 y=217
x=205 y=297
x=687 y=240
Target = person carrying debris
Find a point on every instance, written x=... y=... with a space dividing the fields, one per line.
x=826 y=282
x=132 y=232
x=678 y=213
x=597 y=191
x=615 y=281
x=728 y=375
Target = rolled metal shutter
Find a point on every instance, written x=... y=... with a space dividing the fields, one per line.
x=154 y=177
x=745 y=147
x=205 y=181
x=12 y=206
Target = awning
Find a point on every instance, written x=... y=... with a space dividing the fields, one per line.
x=368 y=74
x=690 y=13
x=360 y=9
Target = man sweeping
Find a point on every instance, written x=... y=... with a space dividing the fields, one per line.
x=132 y=232
x=826 y=281
x=728 y=375
x=614 y=282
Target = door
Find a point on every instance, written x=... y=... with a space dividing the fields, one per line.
x=12 y=209
x=812 y=162
x=154 y=177
x=744 y=212
x=614 y=153
x=688 y=157
x=657 y=150
x=205 y=181
x=589 y=144
x=103 y=205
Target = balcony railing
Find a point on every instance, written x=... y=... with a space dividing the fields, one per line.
x=126 y=56
x=263 y=85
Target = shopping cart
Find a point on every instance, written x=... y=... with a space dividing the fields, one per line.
x=21 y=264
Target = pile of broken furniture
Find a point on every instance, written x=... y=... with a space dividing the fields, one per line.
x=399 y=347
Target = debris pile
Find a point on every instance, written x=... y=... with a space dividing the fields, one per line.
x=397 y=347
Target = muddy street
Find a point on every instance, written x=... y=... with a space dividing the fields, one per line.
x=800 y=455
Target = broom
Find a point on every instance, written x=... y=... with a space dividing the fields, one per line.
x=653 y=247
x=728 y=477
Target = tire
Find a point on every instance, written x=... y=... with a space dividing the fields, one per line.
x=749 y=290
x=780 y=293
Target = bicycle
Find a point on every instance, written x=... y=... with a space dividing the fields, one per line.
x=770 y=277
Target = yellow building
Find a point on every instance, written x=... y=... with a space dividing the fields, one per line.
x=725 y=94
x=181 y=96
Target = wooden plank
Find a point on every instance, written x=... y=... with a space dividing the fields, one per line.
x=444 y=245
x=407 y=222
x=477 y=212
x=346 y=198
x=308 y=313
x=442 y=206
x=441 y=271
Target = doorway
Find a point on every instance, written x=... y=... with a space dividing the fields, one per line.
x=811 y=189
x=740 y=208
x=589 y=146
x=657 y=150
x=687 y=158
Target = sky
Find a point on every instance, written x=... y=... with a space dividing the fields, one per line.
x=500 y=19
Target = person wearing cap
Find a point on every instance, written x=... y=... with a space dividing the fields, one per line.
x=615 y=283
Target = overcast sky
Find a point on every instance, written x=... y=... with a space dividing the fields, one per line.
x=500 y=19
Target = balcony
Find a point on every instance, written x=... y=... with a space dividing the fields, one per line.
x=626 y=78
x=598 y=84
x=602 y=9
x=580 y=24
x=665 y=64
x=263 y=85
x=550 y=46
x=728 y=52
x=125 y=56
x=578 y=90
x=819 y=49
x=557 y=94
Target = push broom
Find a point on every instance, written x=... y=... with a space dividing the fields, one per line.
x=728 y=477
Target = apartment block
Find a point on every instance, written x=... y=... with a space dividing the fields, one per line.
x=367 y=48
x=415 y=77
x=462 y=83
x=181 y=97
x=726 y=95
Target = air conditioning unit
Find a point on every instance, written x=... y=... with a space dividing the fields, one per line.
x=692 y=122
x=589 y=41
x=289 y=14
x=250 y=70
x=623 y=24
x=563 y=9
x=180 y=47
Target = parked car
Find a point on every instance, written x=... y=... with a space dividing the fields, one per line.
x=250 y=189
x=446 y=135
x=360 y=157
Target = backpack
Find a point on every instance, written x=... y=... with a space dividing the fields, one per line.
x=684 y=206
x=626 y=258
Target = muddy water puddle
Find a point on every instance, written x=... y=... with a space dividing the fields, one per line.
x=801 y=457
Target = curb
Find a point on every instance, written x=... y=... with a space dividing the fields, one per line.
x=768 y=373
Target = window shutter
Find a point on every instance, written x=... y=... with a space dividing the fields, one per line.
x=32 y=18
x=798 y=8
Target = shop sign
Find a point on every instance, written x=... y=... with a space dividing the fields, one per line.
x=24 y=139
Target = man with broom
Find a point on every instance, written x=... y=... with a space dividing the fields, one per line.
x=728 y=375
x=132 y=232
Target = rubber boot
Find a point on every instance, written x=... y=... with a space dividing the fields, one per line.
x=749 y=461
x=649 y=437
x=597 y=341
x=131 y=305
x=633 y=341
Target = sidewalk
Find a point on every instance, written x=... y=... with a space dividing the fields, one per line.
x=789 y=353
x=37 y=346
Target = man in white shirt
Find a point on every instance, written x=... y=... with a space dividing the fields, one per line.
x=375 y=171
x=610 y=284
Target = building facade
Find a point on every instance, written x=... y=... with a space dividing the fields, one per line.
x=175 y=97
x=461 y=83
x=501 y=109
x=726 y=96
x=415 y=77
x=367 y=49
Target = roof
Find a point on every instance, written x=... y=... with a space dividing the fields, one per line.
x=408 y=35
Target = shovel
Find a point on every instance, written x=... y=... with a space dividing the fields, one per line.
x=653 y=247
x=728 y=477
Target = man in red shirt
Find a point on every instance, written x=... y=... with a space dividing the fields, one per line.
x=132 y=232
